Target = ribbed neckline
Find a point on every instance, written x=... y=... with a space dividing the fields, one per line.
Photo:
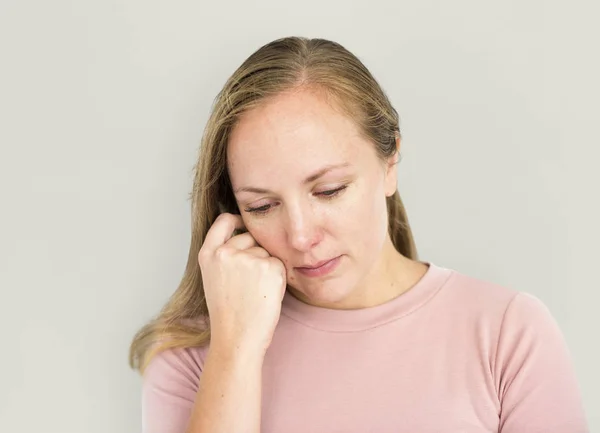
x=332 y=320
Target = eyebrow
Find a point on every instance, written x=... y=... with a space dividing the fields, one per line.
x=316 y=175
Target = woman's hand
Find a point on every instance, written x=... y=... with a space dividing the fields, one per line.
x=243 y=284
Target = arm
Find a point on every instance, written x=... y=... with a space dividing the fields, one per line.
x=243 y=287
x=534 y=374
x=182 y=394
x=229 y=399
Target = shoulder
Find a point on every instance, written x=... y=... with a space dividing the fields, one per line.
x=175 y=370
x=476 y=297
x=528 y=328
x=503 y=313
x=533 y=371
x=517 y=310
x=524 y=339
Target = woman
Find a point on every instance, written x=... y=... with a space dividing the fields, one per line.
x=304 y=307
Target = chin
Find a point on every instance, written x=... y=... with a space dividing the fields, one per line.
x=326 y=292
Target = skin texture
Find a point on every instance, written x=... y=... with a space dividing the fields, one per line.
x=275 y=148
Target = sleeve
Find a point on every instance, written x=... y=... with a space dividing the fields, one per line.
x=534 y=375
x=169 y=387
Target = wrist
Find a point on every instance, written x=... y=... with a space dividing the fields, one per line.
x=232 y=351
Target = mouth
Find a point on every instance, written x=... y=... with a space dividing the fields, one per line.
x=318 y=269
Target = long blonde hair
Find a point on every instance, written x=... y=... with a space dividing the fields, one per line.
x=276 y=67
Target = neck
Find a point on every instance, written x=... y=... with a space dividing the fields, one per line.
x=392 y=275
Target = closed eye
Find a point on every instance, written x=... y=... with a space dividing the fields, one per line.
x=332 y=192
x=259 y=210
x=328 y=195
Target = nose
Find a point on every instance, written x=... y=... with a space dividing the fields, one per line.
x=304 y=231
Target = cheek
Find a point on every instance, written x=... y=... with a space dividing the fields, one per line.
x=364 y=221
x=266 y=237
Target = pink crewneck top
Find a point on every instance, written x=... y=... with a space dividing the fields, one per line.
x=452 y=354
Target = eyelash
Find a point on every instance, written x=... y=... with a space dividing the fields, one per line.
x=327 y=195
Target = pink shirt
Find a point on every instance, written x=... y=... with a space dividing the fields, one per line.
x=452 y=354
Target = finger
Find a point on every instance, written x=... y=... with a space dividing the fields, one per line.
x=258 y=252
x=242 y=242
x=222 y=230
x=279 y=264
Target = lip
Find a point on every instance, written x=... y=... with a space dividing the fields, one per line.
x=321 y=268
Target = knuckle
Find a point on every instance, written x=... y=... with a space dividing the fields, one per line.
x=225 y=217
x=222 y=253
x=263 y=265
x=202 y=255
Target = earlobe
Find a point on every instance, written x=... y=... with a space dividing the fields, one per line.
x=392 y=170
x=391 y=182
x=391 y=177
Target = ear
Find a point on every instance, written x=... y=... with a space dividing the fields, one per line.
x=391 y=170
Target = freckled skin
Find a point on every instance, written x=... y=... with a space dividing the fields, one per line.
x=275 y=147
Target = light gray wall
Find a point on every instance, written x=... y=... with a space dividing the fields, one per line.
x=102 y=105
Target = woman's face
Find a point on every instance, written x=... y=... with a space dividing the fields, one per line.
x=310 y=189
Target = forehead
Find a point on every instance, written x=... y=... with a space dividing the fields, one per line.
x=292 y=135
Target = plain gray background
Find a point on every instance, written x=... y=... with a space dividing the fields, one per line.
x=102 y=106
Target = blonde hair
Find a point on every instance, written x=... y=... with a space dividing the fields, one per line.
x=278 y=66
